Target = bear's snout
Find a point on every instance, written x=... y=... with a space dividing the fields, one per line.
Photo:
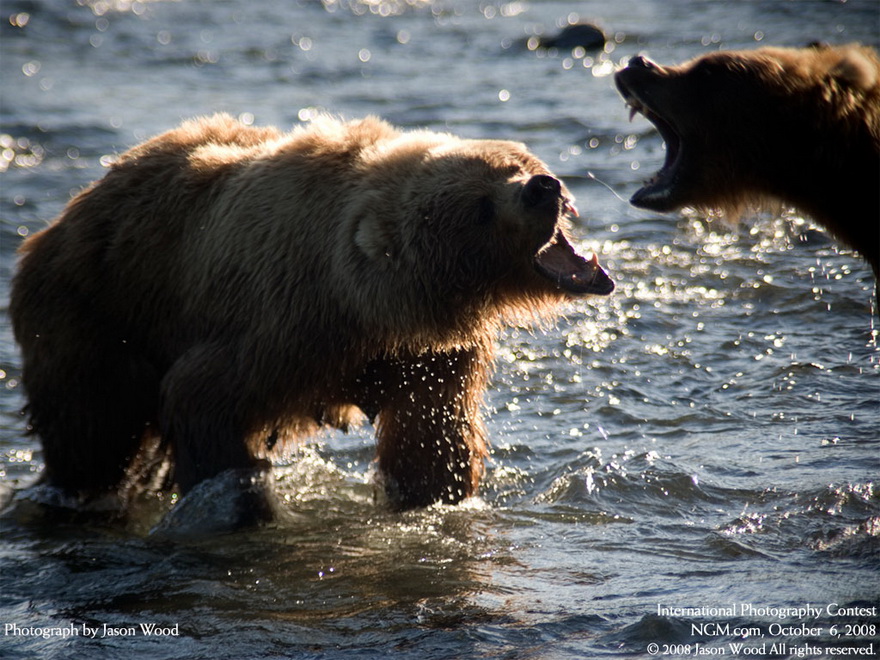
x=542 y=191
x=641 y=62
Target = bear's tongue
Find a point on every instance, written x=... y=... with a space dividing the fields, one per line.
x=557 y=261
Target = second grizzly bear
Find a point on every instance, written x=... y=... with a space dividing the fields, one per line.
x=225 y=288
x=800 y=126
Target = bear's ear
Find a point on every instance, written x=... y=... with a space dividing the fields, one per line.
x=377 y=238
x=855 y=70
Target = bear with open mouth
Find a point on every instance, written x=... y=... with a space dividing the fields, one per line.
x=743 y=128
x=226 y=289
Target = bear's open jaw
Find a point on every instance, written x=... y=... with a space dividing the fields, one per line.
x=558 y=262
x=655 y=194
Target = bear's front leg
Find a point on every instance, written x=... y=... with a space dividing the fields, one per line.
x=431 y=440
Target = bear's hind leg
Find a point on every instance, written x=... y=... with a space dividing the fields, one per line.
x=90 y=408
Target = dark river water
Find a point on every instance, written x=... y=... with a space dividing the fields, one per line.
x=684 y=468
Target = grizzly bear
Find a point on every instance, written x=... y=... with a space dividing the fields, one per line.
x=226 y=289
x=792 y=126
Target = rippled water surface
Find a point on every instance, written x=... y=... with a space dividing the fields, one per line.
x=705 y=438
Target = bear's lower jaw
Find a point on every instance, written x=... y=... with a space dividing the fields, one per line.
x=658 y=193
x=558 y=262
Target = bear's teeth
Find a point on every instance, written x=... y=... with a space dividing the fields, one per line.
x=635 y=106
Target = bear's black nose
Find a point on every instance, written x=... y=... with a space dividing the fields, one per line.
x=640 y=61
x=541 y=189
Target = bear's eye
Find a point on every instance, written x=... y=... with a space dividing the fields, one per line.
x=703 y=68
x=485 y=211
